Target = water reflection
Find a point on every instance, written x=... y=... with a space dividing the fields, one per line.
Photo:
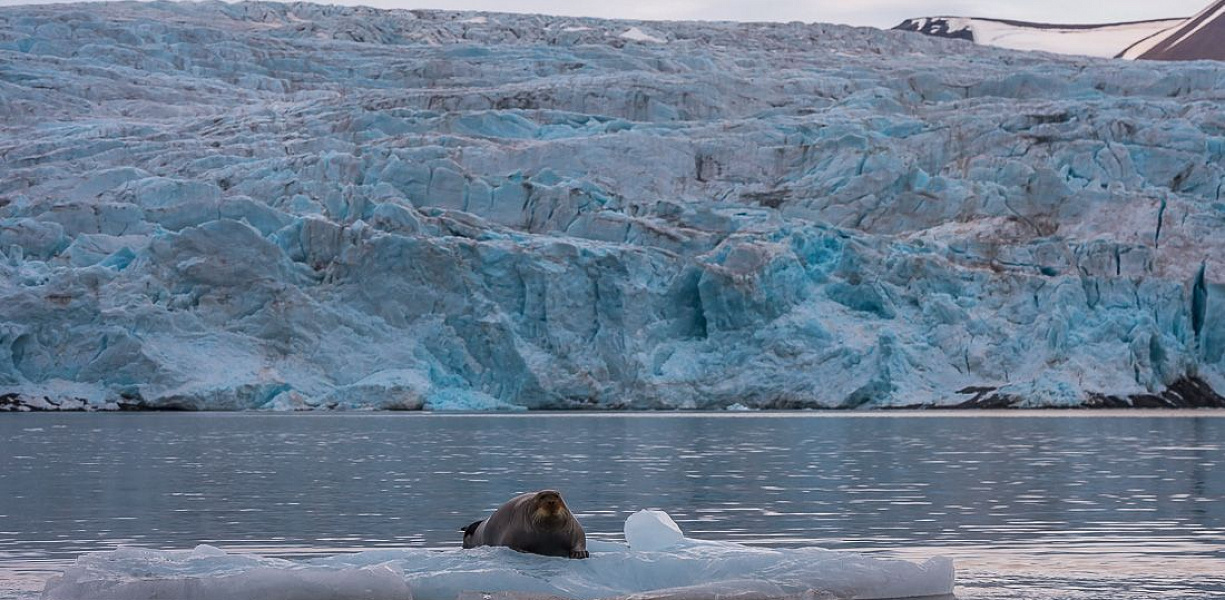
x=1008 y=494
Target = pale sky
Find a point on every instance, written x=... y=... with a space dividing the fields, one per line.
x=879 y=13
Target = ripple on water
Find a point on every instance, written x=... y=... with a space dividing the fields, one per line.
x=1030 y=506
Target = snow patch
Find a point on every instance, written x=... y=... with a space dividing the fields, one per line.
x=1104 y=42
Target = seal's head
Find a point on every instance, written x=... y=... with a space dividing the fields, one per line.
x=549 y=511
x=470 y=534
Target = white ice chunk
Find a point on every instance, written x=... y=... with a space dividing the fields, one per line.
x=652 y=531
x=688 y=569
x=638 y=35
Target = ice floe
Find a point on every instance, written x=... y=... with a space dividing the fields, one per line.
x=658 y=563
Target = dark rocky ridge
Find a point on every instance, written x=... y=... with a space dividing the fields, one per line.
x=1186 y=393
x=942 y=28
x=1201 y=38
x=1189 y=392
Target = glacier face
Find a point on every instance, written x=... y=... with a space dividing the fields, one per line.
x=294 y=206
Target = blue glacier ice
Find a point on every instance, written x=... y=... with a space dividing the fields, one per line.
x=297 y=207
x=685 y=569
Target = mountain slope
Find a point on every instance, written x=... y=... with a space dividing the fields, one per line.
x=1089 y=40
x=292 y=206
x=1201 y=37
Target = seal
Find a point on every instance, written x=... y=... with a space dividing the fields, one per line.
x=535 y=522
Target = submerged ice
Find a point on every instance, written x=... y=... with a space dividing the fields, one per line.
x=293 y=206
x=682 y=569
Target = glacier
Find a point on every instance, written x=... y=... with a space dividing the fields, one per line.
x=645 y=569
x=212 y=206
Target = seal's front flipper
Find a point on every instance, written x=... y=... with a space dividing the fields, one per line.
x=580 y=554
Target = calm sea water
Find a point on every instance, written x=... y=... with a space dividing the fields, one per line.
x=1032 y=506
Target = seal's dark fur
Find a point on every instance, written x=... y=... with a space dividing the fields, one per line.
x=536 y=522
